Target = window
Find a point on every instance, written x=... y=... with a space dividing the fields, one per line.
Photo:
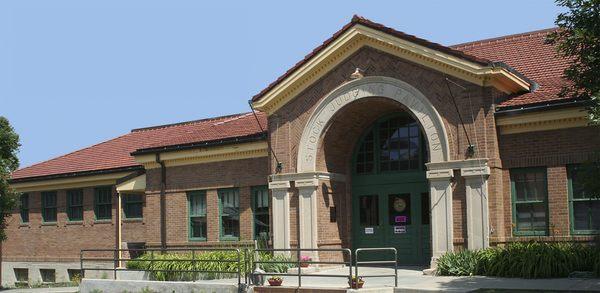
x=103 y=203
x=229 y=208
x=49 y=206
x=75 y=204
x=48 y=275
x=21 y=275
x=369 y=210
x=585 y=207
x=392 y=145
x=24 y=208
x=133 y=206
x=260 y=207
x=530 y=201
x=197 y=214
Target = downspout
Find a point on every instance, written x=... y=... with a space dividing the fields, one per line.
x=163 y=208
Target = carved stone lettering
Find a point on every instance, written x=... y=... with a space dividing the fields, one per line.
x=374 y=86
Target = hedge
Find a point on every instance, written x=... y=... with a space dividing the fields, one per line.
x=143 y=263
x=523 y=260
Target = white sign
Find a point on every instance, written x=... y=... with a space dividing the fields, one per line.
x=399 y=229
x=369 y=230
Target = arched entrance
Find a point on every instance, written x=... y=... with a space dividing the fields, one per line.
x=308 y=177
x=390 y=193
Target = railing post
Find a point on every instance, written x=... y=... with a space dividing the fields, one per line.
x=238 y=268
x=395 y=267
x=115 y=256
x=349 y=266
x=194 y=264
x=81 y=264
x=299 y=267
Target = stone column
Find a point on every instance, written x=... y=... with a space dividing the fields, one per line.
x=308 y=215
x=478 y=229
x=281 y=214
x=441 y=212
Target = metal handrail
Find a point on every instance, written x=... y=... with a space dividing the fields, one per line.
x=395 y=262
x=116 y=260
x=298 y=262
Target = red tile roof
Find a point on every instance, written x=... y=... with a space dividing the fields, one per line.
x=525 y=52
x=528 y=54
x=115 y=154
x=363 y=21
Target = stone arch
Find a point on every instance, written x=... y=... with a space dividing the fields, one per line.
x=373 y=86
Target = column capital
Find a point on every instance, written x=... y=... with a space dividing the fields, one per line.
x=279 y=185
x=475 y=171
x=440 y=174
x=307 y=183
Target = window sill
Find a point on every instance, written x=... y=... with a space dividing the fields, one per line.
x=132 y=220
x=229 y=238
x=49 y=224
x=24 y=224
x=107 y=221
x=197 y=239
x=75 y=222
x=585 y=232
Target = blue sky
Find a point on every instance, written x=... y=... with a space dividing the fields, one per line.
x=75 y=73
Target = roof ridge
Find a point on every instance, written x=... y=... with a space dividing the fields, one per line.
x=243 y=115
x=501 y=38
x=75 y=151
x=187 y=122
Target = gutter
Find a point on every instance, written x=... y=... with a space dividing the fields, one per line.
x=179 y=147
x=163 y=207
x=513 y=110
x=76 y=174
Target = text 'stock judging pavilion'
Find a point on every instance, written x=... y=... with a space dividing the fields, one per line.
x=424 y=147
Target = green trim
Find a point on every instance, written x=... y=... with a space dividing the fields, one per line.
x=190 y=194
x=254 y=191
x=97 y=203
x=44 y=207
x=513 y=191
x=221 y=192
x=70 y=194
x=570 y=170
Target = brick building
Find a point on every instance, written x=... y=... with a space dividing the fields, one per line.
x=377 y=138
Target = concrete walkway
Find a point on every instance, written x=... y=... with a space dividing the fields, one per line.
x=40 y=290
x=411 y=279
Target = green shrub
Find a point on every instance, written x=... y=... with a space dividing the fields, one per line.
x=168 y=261
x=523 y=260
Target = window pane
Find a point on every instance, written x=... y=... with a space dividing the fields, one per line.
x=595 y=215
x=230 y=220
x=25 y=208
x=581 y=215
x=49 y=206
x=103 y=202
x=369 y=210
x=425 y=209
x=524 y=217
x=198 y=227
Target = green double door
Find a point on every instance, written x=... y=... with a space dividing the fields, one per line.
x=392 y=215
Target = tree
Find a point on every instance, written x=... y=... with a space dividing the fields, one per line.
x=9 y=146
x=578 y=39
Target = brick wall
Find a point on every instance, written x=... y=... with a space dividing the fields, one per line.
x=555 y=150
x=64 y=240
x=241 y=174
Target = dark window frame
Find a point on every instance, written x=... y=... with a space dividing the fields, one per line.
x=256 y=192
x=571 y=169
x=24 y=207
x=236 y=195
x=192 y=213
x=49 y=209
x=71 y=194
x=103 y=206
x=514 y=202
x=129 y=200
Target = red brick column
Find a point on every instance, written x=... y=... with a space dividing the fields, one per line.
x=246 y=219
x=558 y=201
x=212 y=215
